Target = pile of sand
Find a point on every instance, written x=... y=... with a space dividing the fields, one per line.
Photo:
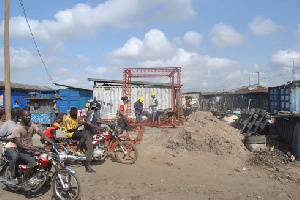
x=205 y=133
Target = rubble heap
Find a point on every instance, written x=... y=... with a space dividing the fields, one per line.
x=204 y=132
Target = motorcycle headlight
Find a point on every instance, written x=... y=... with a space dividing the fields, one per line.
x=62 y=156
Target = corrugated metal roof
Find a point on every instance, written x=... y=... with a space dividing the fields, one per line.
x=250 y=89
x=107 y=81
x=24 y=87
x=71 y=87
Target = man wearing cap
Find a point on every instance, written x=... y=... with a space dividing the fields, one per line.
x=51 y=133
x=153 y=106
x=91 y=124
x=138 y=109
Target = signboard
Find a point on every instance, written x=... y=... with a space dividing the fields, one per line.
x=1 y=100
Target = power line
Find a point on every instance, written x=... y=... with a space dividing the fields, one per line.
x=23 y=8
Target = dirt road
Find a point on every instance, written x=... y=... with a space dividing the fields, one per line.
x=187 y=163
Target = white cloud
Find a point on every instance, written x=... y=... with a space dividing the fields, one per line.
x=20 y=59
x=285 y=57
x=261 y=26
x=83 y=21
x=96 y=71
x=190 y=41
x=155 y=45
x=192 y=38
x=195 y=67
x=223 y=36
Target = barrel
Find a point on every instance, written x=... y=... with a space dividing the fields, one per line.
x=296 y=142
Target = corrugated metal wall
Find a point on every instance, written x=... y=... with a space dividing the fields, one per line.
x=294 y=99
x=16 y=96
x=110 y=96
x=285 y=126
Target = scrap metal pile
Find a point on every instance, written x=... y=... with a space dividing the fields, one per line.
x=252 y=121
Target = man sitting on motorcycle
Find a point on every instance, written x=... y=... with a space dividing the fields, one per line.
x=23 y=134
x=91 y=124
x=10 y=147
x=71 y=128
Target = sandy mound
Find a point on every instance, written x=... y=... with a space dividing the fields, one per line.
x=205 y=133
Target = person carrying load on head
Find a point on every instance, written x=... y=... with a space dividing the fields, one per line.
x=153 y=106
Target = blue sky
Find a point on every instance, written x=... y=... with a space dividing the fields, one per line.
x=219 y=44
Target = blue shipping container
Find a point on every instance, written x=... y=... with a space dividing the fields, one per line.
x=295 y=99
x=16 y=96
x=73 y=98
x=279 y=99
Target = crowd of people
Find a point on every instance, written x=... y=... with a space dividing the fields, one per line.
x=17 y=133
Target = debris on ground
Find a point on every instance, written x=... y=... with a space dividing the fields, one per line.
x=204 y=132
x=271 y=158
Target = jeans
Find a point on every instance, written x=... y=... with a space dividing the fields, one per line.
x=13 y=158
x=27 y=158
x=138 y=117
x=153 y=114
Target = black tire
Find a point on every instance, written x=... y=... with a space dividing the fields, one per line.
x=73 y=193
x=126 y=152
x=253 y=139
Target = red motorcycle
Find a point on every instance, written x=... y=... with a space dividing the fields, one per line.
x=108 y=140
x=64 y=180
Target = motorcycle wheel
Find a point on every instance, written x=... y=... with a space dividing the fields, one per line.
x=73 y=191
x=7 y=176
x=126 y=152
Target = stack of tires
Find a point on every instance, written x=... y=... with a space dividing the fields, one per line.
x=252 y=121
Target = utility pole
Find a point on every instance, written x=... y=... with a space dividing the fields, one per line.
x=257 y=78
x=294 y=74
x=7 y=62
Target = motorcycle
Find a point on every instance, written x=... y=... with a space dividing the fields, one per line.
x=64 y=179
x=108 y=140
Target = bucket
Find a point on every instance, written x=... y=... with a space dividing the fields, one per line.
x=296 y=142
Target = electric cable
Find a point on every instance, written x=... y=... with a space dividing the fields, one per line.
x=47 y=71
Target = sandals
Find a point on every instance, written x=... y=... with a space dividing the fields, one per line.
x=90 y=171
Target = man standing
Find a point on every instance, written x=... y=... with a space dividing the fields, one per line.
x=138 y=109
x=122 y=119
x=91 y=119
x=23 y=134
x=6 y=131
x=71 y=128
x=153 y=106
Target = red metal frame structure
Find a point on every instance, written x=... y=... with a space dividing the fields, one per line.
x=174 y=73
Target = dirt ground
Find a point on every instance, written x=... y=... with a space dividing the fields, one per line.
x=204 y=159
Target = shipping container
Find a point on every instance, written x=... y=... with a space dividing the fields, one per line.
x=279 y=98
x=69 y=98
x=295 y=98
x=15 y=96
x=110 y=98
x=285 y=98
